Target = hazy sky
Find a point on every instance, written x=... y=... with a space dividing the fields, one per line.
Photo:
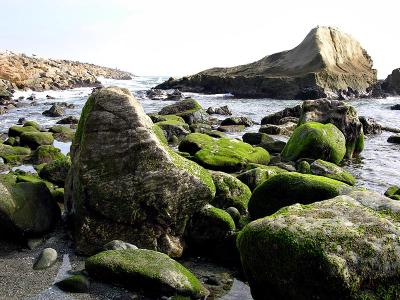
x=180 y=37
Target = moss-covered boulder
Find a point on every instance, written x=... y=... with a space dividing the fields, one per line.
x=289 y=188
x=231 y=192
x=222 y=154
x=342 y=248
x=125 y=183
x=32 y=124
x=77 y=283
x=27 y=209
x=195 y=142
x=393 y=192
x=62 y=133
x=316 y=140
x=342 y=115
x=36 y=139
x=330 y=170
x=212 y=232
x=45 y=154
x=174 y=131
x=189 y=109
x=56 y=171
x=149 y=271
x=13 y=155
x=15 y=131
x=254 y=177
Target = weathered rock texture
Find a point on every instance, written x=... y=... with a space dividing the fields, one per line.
x=25 y=72
x=343 y=248
x=327 y=63
x=125 y=183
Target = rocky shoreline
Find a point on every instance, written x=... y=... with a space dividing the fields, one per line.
x=19 y=71
x=126 y=198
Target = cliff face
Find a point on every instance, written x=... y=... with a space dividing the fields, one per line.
x=25 y=72
x=327 y=63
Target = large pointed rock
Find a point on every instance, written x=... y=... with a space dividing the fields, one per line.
x=125 y=183
x=327 y=62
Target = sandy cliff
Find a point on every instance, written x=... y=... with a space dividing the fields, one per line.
x=327 y=62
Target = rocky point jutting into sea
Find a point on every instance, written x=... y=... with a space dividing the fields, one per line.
x=327 y=63
x=127 y=191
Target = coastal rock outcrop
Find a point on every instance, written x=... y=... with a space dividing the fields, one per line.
x=125 y=183
x=38 y=74
x=327 y=63
x=391 y=84
x=342 y=248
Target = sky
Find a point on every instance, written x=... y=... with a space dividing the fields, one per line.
x=183 y=37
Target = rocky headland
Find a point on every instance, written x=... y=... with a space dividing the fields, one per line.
x=19 y=71
x=327 y=63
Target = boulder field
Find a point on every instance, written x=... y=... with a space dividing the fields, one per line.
x=327 y=63
x=139 y=190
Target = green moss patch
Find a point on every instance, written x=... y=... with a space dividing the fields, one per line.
x=317 y=141
x=289 y=188
x=145 y=270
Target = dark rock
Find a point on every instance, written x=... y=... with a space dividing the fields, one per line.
x=238 y=121
x=395 y=107
x=370 y=126
x=54 y=111
x=222 y=110
x=276 y=118
x=391 y=84
x=68 y=120
x=395 y=139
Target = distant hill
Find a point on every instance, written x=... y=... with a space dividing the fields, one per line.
x=326 y=64
x=26 y=72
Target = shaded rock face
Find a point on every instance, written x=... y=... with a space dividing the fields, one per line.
x=343 y=248
x=391 y=85
x=342 y=115
x=26 y=209
x=125 y=183
x=327 y=63
x=38 y=74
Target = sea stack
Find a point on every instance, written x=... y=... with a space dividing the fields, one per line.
x=327 y=63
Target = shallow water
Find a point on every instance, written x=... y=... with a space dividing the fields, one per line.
x=378 y=167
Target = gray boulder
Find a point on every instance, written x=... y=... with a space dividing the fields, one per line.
x=342 y=248
x=125 y=183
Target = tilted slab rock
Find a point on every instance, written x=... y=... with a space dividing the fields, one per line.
x=327 y=63
x=125 y=183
